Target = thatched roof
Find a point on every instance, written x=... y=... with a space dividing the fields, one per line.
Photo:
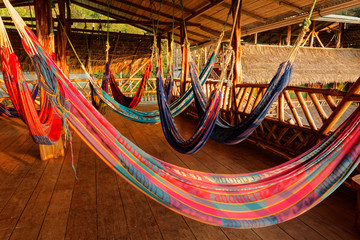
x=311 y=66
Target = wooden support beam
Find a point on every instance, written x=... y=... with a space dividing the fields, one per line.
x=236 y=43
x=288 y=36
x=289 y=5
x=255 y=38
x=43 y=31
x=185 y=60
x=87 y=6
x=247 y=13
x=339 y=35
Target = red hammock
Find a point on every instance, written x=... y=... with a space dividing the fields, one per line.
x=45 y=127
x=130 y=102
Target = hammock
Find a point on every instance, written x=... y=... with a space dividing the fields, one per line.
x=237 y=201
x=169 y=85
x=45 y=127
x=95 y=99
x=228 y=134
x=130 y=102
x=204 y=128
x=177 y=107
x=11 y=111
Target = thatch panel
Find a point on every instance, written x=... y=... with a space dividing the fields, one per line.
x=311 y=66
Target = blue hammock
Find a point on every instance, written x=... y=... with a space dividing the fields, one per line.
x=229 y=134
x=206 y=124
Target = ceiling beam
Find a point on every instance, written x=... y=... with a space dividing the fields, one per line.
x=277 y=23
x=247 y=13
x=112 y=15
x=289 y=5
x=117 y=21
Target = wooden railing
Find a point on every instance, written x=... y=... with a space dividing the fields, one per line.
x=297 y=119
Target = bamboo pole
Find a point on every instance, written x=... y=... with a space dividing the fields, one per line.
x=281 y=108
x=318 y=107
x=306 y=110
x=249 y=99
x=340 y=109
x=292 y=108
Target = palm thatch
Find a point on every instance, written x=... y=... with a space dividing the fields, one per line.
x=311 y=66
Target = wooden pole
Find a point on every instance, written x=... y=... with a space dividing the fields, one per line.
x=312 y=34
x=339 y=35
x=160 y=52
x=43 y=31
x=340 y=109
x=236 y=42
x=255 y=38
x=185 y=60
x=288 y=36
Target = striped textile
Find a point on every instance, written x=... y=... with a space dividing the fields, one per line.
x=130 y=102
x=152 y=117
x=225 y=132
x=45 y=126
x=205 y=126
x=237 y=201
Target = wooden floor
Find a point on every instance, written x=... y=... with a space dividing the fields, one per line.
x=43 y=200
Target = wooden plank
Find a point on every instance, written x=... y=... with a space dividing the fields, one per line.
x=55 y=221
x=31 y=219
x=83 y=204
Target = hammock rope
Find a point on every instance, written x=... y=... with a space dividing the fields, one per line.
x=236 y=201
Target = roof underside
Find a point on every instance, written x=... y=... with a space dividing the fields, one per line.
x=205 y=18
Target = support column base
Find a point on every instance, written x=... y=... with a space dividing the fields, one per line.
x=52 y=151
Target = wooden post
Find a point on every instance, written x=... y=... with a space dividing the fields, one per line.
x=236 y=42
x=160 y=52
x=61 y=40
x=255 y=38
x=288 y=36
x=339 y=35
x=356 y=185
x=312 y=34
x=185 y=60
x=43 y=31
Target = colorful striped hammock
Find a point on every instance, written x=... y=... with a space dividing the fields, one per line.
x=45 y=127
x=6 y=111
x=206 y=123
x=238 y=201
x=177 y=107
x=228 y=134
x=130 y=102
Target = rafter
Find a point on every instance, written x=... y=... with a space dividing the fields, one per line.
x=247 y=13
x=289 y=5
